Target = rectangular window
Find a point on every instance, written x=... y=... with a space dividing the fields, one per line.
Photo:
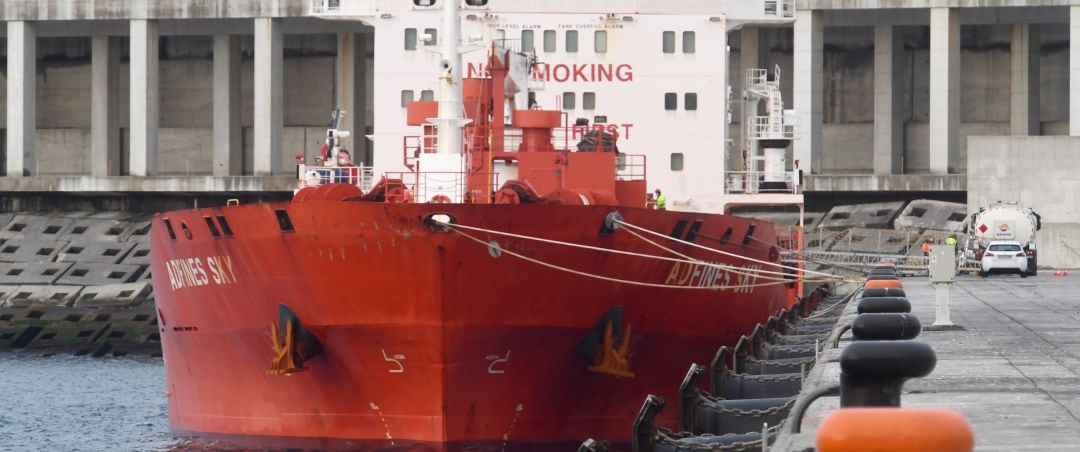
x=284 y=222
x=169 y=229
x=689 y=43
x=406 y=97
x=690 y=101
x=427 y=94
x=500 y=34
x=410 y=39
x=549 y=40
x=676 y=161
x=571 y=41
x=225 y=225
x=527 y=41
x=600 y=41
x=213 y=227
x=588 y=101
x=671 y=101
x=669 y=42
x=569 y=101
x=431 y=36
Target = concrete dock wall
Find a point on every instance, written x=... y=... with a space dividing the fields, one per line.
x=1041 y=172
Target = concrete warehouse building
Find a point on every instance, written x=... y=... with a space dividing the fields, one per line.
x=953 y=99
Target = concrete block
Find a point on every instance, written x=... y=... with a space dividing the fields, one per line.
x=89 y=229
x=5 y=293
x=876 y=215
x=822 y=239
x=139 y=232
x=929 y=215
x=93 y=274
x=38 y=227
x=114 y=295
x=93 y=252
x=31 y=272
x=810 y=219
x=25 y=296
x=5 y=218
x=139 y=254
x=29 y=250
x=878 y=241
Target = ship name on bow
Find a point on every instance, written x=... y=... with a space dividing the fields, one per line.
x=708 y=274
x=198 y=271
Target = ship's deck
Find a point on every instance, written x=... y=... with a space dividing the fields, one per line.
x=1014 y=370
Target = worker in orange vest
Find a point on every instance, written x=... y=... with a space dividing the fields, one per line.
x=926 y=247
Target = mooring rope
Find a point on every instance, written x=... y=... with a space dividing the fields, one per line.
x=457 y=229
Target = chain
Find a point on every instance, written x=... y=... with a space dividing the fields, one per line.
x=768 y=363
x=667 y=437
x=754 y=413
x=766 y=377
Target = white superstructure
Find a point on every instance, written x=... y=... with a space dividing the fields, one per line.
x=653 y=71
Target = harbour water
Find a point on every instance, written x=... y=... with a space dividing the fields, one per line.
x=67 y=403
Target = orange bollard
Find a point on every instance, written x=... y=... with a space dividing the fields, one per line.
x=895 y=430
x=879 y=283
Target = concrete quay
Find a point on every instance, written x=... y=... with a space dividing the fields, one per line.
x=1013 y=371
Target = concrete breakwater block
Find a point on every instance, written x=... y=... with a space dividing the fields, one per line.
x=20 y=250
x=929 y=215
x=94 y=252
x=32 y=272
x=882 y=241
x=92 y=274
x=139 y=254
x=29 y=295
x=35 y=227
x=876 y=215
x=88 y=229
x=113 y=295
x=810 y=219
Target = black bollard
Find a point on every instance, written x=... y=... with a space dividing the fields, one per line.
x=872 y=373
x=885 y=326
x=883 y=292
x=884 y=304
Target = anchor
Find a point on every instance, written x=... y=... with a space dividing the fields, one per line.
x=296 y=346
x=606 y=357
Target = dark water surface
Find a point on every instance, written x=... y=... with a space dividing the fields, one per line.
x=67 y=403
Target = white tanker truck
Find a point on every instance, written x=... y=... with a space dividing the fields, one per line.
x=1004 y=221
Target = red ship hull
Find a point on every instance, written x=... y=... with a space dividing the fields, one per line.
x=430 y=338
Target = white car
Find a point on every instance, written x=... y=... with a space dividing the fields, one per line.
x=1004 y=256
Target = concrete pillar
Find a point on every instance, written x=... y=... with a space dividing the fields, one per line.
x=1074 y=70
x=888 y=102
x=944 y=88
x=104 y=108
x=143 y=158
x=228 y=148
x=269 y=118
x=806 y=89
x=351 y=91
x=1024 y=100
x=21 y=99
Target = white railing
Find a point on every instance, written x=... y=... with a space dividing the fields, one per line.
x=753 y=182
x=342 y=7
x=756 y=79
x=325 y=6
x=314 y=176
x=779 y=8
x=768 y=128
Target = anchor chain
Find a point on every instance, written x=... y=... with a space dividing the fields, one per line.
x=665 y=436
x=754 y=413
